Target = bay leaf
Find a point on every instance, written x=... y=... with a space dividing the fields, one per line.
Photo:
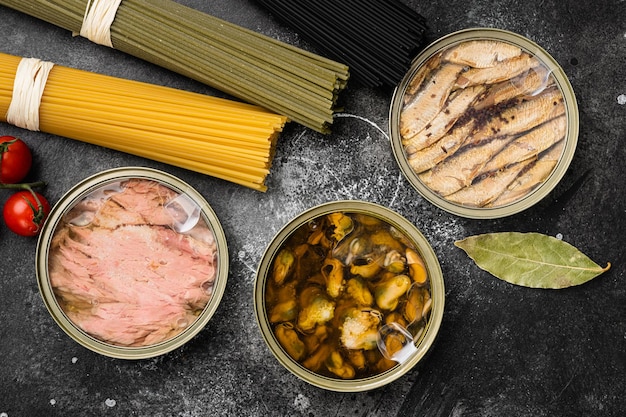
x=531 y=259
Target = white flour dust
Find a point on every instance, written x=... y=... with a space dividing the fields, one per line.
x=354 y=116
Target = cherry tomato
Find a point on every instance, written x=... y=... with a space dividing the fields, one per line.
x=23 y=215
x=16 y=159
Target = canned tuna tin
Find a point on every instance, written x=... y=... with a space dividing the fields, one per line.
x=132 y=263
x=349 y=296
x=484 y=124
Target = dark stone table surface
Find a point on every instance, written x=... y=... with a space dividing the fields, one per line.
x=503 y=350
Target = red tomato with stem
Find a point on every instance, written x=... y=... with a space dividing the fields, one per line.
x=16 y=159
x=24 y=213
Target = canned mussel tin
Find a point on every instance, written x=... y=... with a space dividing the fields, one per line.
x=132 y=263
x=349 y=296
x=484 y=124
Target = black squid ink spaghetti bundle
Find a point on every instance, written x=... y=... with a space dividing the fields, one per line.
x=376 y=39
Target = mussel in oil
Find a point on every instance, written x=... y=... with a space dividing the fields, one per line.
x=389 y=291
x=316 y=308
x=367 y=267
x=394 y=262
x=357 y=358
x=396 y=317
x=360 y=329
x=316 y=360
x=417 y=269
x=319 y=238
x=314 y=340
x=285 y=311
x=333 y=272
x=342 y=224
x=283 y=301
x=290 y=341
x=417 y=305
x=283 y=265
x=338 y=366
x=359 y=291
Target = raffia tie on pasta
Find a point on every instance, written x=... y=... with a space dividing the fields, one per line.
x=99 y=16
x=30 y=81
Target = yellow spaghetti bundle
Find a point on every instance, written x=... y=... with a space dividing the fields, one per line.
x=222 y=138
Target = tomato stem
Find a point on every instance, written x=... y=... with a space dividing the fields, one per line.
x=23 y=186
x=38 y=212
x=4 y=147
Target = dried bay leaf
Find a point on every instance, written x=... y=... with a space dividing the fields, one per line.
x=530 y=259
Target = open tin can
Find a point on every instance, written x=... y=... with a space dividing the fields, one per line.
x=349 y=296
x=132 y=263
x=484 y=124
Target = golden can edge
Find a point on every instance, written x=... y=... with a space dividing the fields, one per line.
x=75 y=194
x=571 y=111
x=433 y=267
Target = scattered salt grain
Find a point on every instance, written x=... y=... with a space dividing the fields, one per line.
x=110 y=403
x=4 y=415
x=621 y=99
x=74 y=359
x=559 y=236
x=301 y=403
x=53 y=402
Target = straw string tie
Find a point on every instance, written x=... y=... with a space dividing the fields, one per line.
x=99 y=16
x=30 y=80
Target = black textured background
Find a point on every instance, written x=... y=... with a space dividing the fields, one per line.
x=502 y=350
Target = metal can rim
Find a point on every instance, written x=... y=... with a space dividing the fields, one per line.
x=80 y=190
x=571 y=139
x=437 y=289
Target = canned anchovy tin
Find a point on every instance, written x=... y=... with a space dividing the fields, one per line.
x=484 y=124
x=349 y=296
x=132 y=263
